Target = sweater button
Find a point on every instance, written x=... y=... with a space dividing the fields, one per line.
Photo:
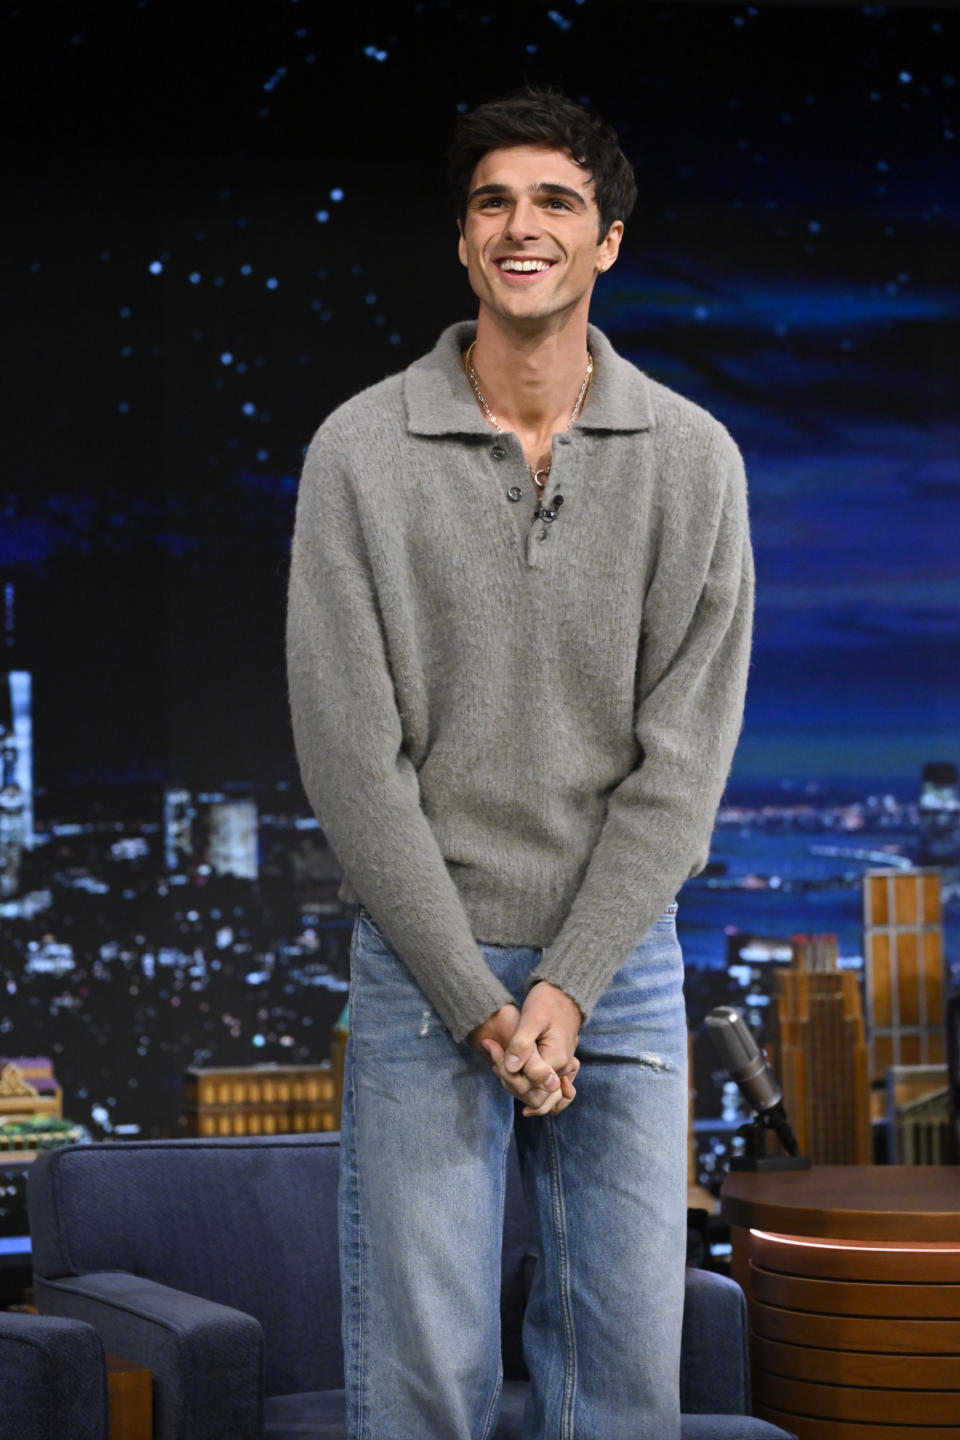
x=514 y=493
x=498 y=452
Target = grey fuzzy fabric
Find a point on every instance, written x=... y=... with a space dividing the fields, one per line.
x=510 y=741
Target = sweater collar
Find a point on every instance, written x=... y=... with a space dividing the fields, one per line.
x=439 y=400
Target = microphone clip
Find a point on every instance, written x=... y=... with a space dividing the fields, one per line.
x=547 y=514
x=754 y=1133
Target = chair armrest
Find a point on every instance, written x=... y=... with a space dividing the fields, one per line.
x=714 y=1368
x=207 y=1360
x=53 y=1380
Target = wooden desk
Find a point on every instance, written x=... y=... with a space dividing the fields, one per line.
x=852 y=1277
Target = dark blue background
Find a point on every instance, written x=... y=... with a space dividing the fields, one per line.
x=791 y=265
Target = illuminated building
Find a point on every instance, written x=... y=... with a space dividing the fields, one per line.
x=178 y=817
x=903 y=964
x=16 y=761
x=49 y=957
x=262 y=1100
x=822 y=1055
x=939 y=809
x=918 y=1115
x=233 y=838
x=16 y=776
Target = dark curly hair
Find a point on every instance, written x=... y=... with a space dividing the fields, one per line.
x=544 y=117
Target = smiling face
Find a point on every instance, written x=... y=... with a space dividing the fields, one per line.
x=529 y=241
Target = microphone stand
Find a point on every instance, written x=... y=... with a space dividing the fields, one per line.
x=754 y=1133
x=746 y=1065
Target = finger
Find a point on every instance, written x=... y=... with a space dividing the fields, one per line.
x=529 y=1097
x=522 y=1046
x=540 y=1073
x=537 y=1069
x=549 y=1107
x=520 y=1084
x=536 y=1096
x=567 y=1096
x=544 y=1107
x=559 y=1054
x=567 y=1100
x=572 y=1070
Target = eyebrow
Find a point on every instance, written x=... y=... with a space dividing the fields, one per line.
x=543 y=187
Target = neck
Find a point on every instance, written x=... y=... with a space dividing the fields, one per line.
x=531 y=378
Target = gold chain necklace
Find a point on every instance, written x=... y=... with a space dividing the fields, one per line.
x=472 y=376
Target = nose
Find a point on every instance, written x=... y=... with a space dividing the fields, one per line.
x=523 y=221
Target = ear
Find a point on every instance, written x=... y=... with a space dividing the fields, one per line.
x=609 y=246
x=461 y=245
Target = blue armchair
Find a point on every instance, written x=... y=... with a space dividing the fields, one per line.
x=53 y=1379
x=214 y=1263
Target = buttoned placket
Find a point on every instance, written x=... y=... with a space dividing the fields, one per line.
x=541 y=535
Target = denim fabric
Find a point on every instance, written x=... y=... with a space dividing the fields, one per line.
x=425 y=1133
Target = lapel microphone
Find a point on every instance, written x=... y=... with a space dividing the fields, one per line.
x=548 y=513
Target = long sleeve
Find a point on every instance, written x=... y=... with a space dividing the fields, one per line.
x=348 y=735
x=693 y=662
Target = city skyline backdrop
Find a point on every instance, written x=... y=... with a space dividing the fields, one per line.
x=223 y=228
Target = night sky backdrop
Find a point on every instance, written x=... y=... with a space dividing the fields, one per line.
x=223 y=220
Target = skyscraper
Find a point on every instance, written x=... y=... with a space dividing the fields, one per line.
x=233 y=838
x=903 y=966
x=822 y=1055
x=16 y=761
x=178 y=817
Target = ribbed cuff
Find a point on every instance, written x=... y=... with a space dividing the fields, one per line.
x=479 y=1006
x=571 y=985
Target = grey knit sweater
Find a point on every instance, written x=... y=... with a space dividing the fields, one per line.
x=506 y=738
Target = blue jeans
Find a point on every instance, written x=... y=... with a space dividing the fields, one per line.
x=425 y=1130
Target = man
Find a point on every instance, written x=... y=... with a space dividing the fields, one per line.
x=519 y=626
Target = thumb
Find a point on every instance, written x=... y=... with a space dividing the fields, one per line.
x=521 y=1046
x=494 y=1050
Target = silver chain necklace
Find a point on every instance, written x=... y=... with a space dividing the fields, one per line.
x=545 y=470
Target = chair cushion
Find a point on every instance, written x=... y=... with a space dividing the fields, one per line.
x=320 y=1416
x=313 y=1415
x=730 y=1427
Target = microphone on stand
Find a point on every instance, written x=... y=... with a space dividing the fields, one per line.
x=746 y=1063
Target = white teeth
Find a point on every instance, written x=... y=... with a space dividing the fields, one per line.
x=524 y=265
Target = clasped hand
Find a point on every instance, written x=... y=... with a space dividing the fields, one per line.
x=532 y=1050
